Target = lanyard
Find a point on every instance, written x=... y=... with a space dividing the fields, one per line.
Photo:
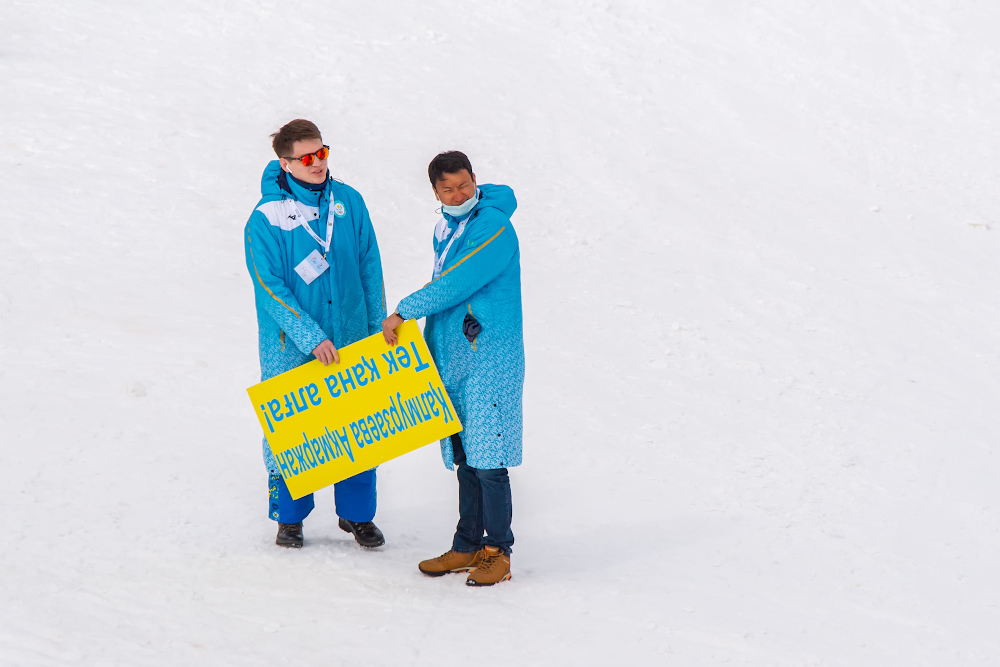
x=329 y=227
x=439 y=260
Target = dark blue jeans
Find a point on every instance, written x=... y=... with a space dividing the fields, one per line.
x=483 y=505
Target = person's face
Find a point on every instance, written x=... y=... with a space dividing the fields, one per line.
x=315 y=172
x=455 y=189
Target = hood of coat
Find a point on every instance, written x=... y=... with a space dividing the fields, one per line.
x=500 y=197
x=269 y=186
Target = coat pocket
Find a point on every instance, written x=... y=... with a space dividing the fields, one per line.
x=471 y=327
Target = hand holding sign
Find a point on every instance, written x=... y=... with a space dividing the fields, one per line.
x=326 y=353
x=389 y=325
x=327 y=424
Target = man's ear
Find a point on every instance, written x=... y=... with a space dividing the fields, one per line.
x=435 y=191
x=474 y=179
x=284 y=164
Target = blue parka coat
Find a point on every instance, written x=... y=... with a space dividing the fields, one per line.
x=344 y=304
x=481 y=276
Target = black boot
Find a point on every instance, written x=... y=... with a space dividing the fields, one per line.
x=289 y=535
x=367 y=534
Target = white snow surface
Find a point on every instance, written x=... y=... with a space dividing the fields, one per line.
x=759 y=249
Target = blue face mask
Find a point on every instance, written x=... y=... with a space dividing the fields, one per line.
x=463 y=208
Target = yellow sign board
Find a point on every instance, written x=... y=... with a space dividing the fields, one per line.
x=327 y=423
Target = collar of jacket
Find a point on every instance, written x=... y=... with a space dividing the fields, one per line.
x=298 y=191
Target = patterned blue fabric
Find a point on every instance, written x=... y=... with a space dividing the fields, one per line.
x=345 y=304
x=485 y=378
x=281 y=506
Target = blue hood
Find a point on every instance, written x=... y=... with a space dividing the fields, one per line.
x=500 y=197
x=269 y=186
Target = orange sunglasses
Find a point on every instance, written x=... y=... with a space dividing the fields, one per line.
x=307 y=159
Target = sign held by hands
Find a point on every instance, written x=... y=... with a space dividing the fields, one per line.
x=327 y=423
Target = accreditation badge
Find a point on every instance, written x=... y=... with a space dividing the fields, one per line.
x=312 y=267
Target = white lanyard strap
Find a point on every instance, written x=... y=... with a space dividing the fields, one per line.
x=329 y=228
x=443 y=255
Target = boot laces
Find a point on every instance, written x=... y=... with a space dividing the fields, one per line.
x=489 y=560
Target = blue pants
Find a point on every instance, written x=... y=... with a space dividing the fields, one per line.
x=355 y=498
x=483 y=504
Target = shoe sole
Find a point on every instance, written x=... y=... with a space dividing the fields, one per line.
x=366 y=546
x=290 y=545
x=444 y=572
x=469 y=582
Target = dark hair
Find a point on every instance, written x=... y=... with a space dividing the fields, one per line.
x=449 y=162
x=296 y=130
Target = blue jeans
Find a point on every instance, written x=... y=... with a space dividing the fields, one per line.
x=483 y=505
x=355 y=499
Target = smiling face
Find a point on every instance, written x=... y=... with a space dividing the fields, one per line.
x=314 y=173
x=455 y=189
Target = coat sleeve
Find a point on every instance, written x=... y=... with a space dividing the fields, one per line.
x=370 y=264
x=264 y=264
x=484 y=255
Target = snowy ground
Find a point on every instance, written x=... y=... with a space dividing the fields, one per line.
x=759 y=250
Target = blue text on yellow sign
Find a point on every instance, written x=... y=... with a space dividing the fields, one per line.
x=327 y=423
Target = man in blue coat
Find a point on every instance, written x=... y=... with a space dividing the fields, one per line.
x=474 y=332
x=317 y=276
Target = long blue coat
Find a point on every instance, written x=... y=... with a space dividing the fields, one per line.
x=485 y=379
x=344 y=304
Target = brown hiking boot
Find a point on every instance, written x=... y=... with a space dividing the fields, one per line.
x=450 y=561
x=493 y=567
